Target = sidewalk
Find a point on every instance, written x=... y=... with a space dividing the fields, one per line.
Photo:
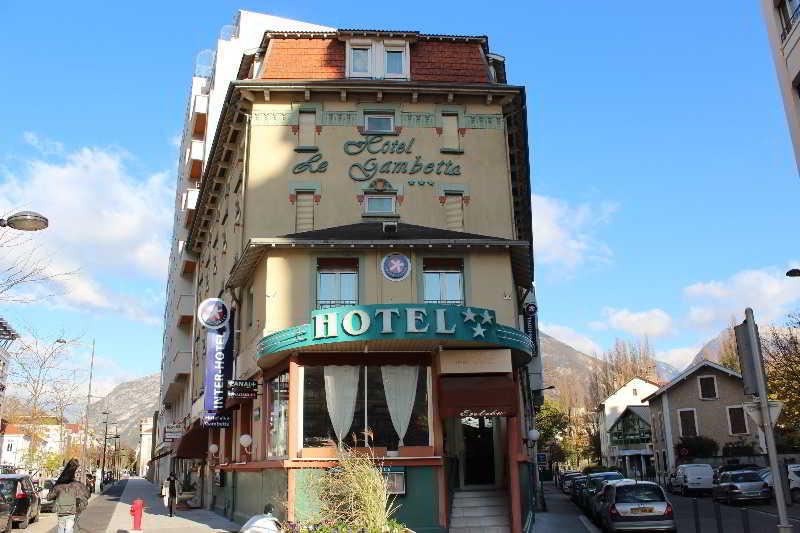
x=562 y=515
x=156 y=517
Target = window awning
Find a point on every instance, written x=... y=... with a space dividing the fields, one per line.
x=473 y=396
x=194 y=443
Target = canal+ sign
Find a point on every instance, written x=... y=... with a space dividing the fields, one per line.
x=445 y=324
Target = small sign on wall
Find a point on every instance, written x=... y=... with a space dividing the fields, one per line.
x=475 y=361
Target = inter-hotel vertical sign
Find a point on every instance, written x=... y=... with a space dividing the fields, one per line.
x=213 y=314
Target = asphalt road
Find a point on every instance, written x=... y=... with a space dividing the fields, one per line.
x=95 y=518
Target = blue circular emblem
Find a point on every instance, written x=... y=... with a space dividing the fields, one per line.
x=396 y=267
x=213 y=313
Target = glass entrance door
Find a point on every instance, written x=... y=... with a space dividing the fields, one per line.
x=479 y=464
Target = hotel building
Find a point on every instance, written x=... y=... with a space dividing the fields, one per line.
x=363 y=209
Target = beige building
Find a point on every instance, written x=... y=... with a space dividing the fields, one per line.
x=783 y=30
x=705 y=400
x=363 y=213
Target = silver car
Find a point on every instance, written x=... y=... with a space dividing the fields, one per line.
x=740 y=486
x=630 y=505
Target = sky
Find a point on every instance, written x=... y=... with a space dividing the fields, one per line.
x=665 y=189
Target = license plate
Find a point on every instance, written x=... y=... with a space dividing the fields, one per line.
x=638 y=510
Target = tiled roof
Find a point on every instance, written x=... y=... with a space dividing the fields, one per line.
x=373 y=231
x=688 y=372
x=6 y=331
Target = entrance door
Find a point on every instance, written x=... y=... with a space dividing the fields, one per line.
x=478 y=450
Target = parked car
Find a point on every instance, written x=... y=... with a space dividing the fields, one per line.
x=46 y=487
x=593 y=485
x=732 y=468
x=578 y=486
x=741 y=485
x=691 y=477
x=566 y=484
x=630 y=505
x=17 y=489
x=563 y=476
x=793 y=477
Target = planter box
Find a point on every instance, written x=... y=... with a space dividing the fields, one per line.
x=327 y=452
x=416 y=451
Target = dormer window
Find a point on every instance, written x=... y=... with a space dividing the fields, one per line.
x=377 y=59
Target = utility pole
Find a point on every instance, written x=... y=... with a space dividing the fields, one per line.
x=86 y=419
x=105 y=443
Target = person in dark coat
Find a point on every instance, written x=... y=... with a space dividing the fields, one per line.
x=70 y=497
x=172 y=492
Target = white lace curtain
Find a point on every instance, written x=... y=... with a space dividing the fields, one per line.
x=400 y=386
x=341 y=391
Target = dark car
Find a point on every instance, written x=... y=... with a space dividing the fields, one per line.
x=18 y=491
x=566 y=483
x=563 y=476
x=630 y=505
x=739 y=486
x=593 y=486
x=578 y=486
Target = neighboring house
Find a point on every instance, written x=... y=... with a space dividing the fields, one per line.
x=145 y=445
x=631 y=441
x=15 y=441
x=631 y=393
x=706 y=400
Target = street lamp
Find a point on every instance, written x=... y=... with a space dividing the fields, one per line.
x=25 y=221
x=88 y=402
x=793 y=273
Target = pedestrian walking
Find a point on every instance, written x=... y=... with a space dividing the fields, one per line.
x=171 y=493
x=70 y=497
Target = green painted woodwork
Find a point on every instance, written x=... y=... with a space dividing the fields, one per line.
x=417 y=120
x=481 y=121
x=464 y=326
x=339 y=118
x=306 y=503
x=275 y=116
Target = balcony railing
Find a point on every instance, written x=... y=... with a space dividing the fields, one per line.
x=327 y=304
x=445 y=302
x=789 y=21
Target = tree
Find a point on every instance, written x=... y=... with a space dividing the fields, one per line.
x=781 y=349
x=625 y=361
x=728 y=356
x=699 y=446
x=550 y=421
x=23 y=267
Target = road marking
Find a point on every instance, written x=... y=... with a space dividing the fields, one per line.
x=773 y=515
x=588 y=525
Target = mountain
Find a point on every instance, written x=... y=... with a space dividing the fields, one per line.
x=665 y=371
x=565 y=366
x=128 y=403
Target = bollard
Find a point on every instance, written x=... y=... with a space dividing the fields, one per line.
x=696 y=512
x=745 y=520
x=718 y=517
x=137 y=509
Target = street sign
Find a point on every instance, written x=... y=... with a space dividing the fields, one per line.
x=173 y=432
x=541 y=458
x=242 y=388
x=747 y=359
x=753 y=410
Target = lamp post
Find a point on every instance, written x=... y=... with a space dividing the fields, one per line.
x=25 y=221
x=86 y=411
x=793 y=273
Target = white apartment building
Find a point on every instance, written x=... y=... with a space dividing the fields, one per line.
x=15 y=442
x=783 y=31
x=630 y=394
x=209 y=85
x=7 y=337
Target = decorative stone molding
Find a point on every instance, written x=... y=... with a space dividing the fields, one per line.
x=483 y=121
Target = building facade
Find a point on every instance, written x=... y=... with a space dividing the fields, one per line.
x=364 y=213
x=706 y=399
x=631 y=442
x=145 y=449
x=7 y=337
x=783 y=30
x=630 y=395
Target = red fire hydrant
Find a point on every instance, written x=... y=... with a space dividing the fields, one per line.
x=137 y=509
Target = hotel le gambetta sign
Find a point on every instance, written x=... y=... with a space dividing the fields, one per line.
x=359 y=257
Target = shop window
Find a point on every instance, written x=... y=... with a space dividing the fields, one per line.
x=337 y=282
x=379 y=204
x=278 y=400
x=708 y=387
x=450 y=138
x=687 y=419
x=737 y=421
x=304 y=211
x=454 y=211
x=307 y=136
x=378 y=123
x=338 y=407
x=443 y=280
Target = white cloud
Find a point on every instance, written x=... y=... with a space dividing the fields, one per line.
x=176 y=139
x=678 y=357
x=768 y=291
x=110 y=228
x=575 y=339
x=564 y=235
x=652 y=323
x=43 y=145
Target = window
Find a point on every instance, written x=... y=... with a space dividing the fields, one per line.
x=10 y=447
x=278 y=395
x=450 y=139
x=737 y=420
x=251 y=312
x=306 y=137
x=687 y=420
x=304 y=211
x=443 y=281
x=359 y=61
x=378 y=123
x=454 y=211
x=383 y=204
x=708 y=387
x=345 y=403
x=337 y=282
x=394 y=63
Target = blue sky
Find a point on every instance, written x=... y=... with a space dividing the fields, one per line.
x=665 y=188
